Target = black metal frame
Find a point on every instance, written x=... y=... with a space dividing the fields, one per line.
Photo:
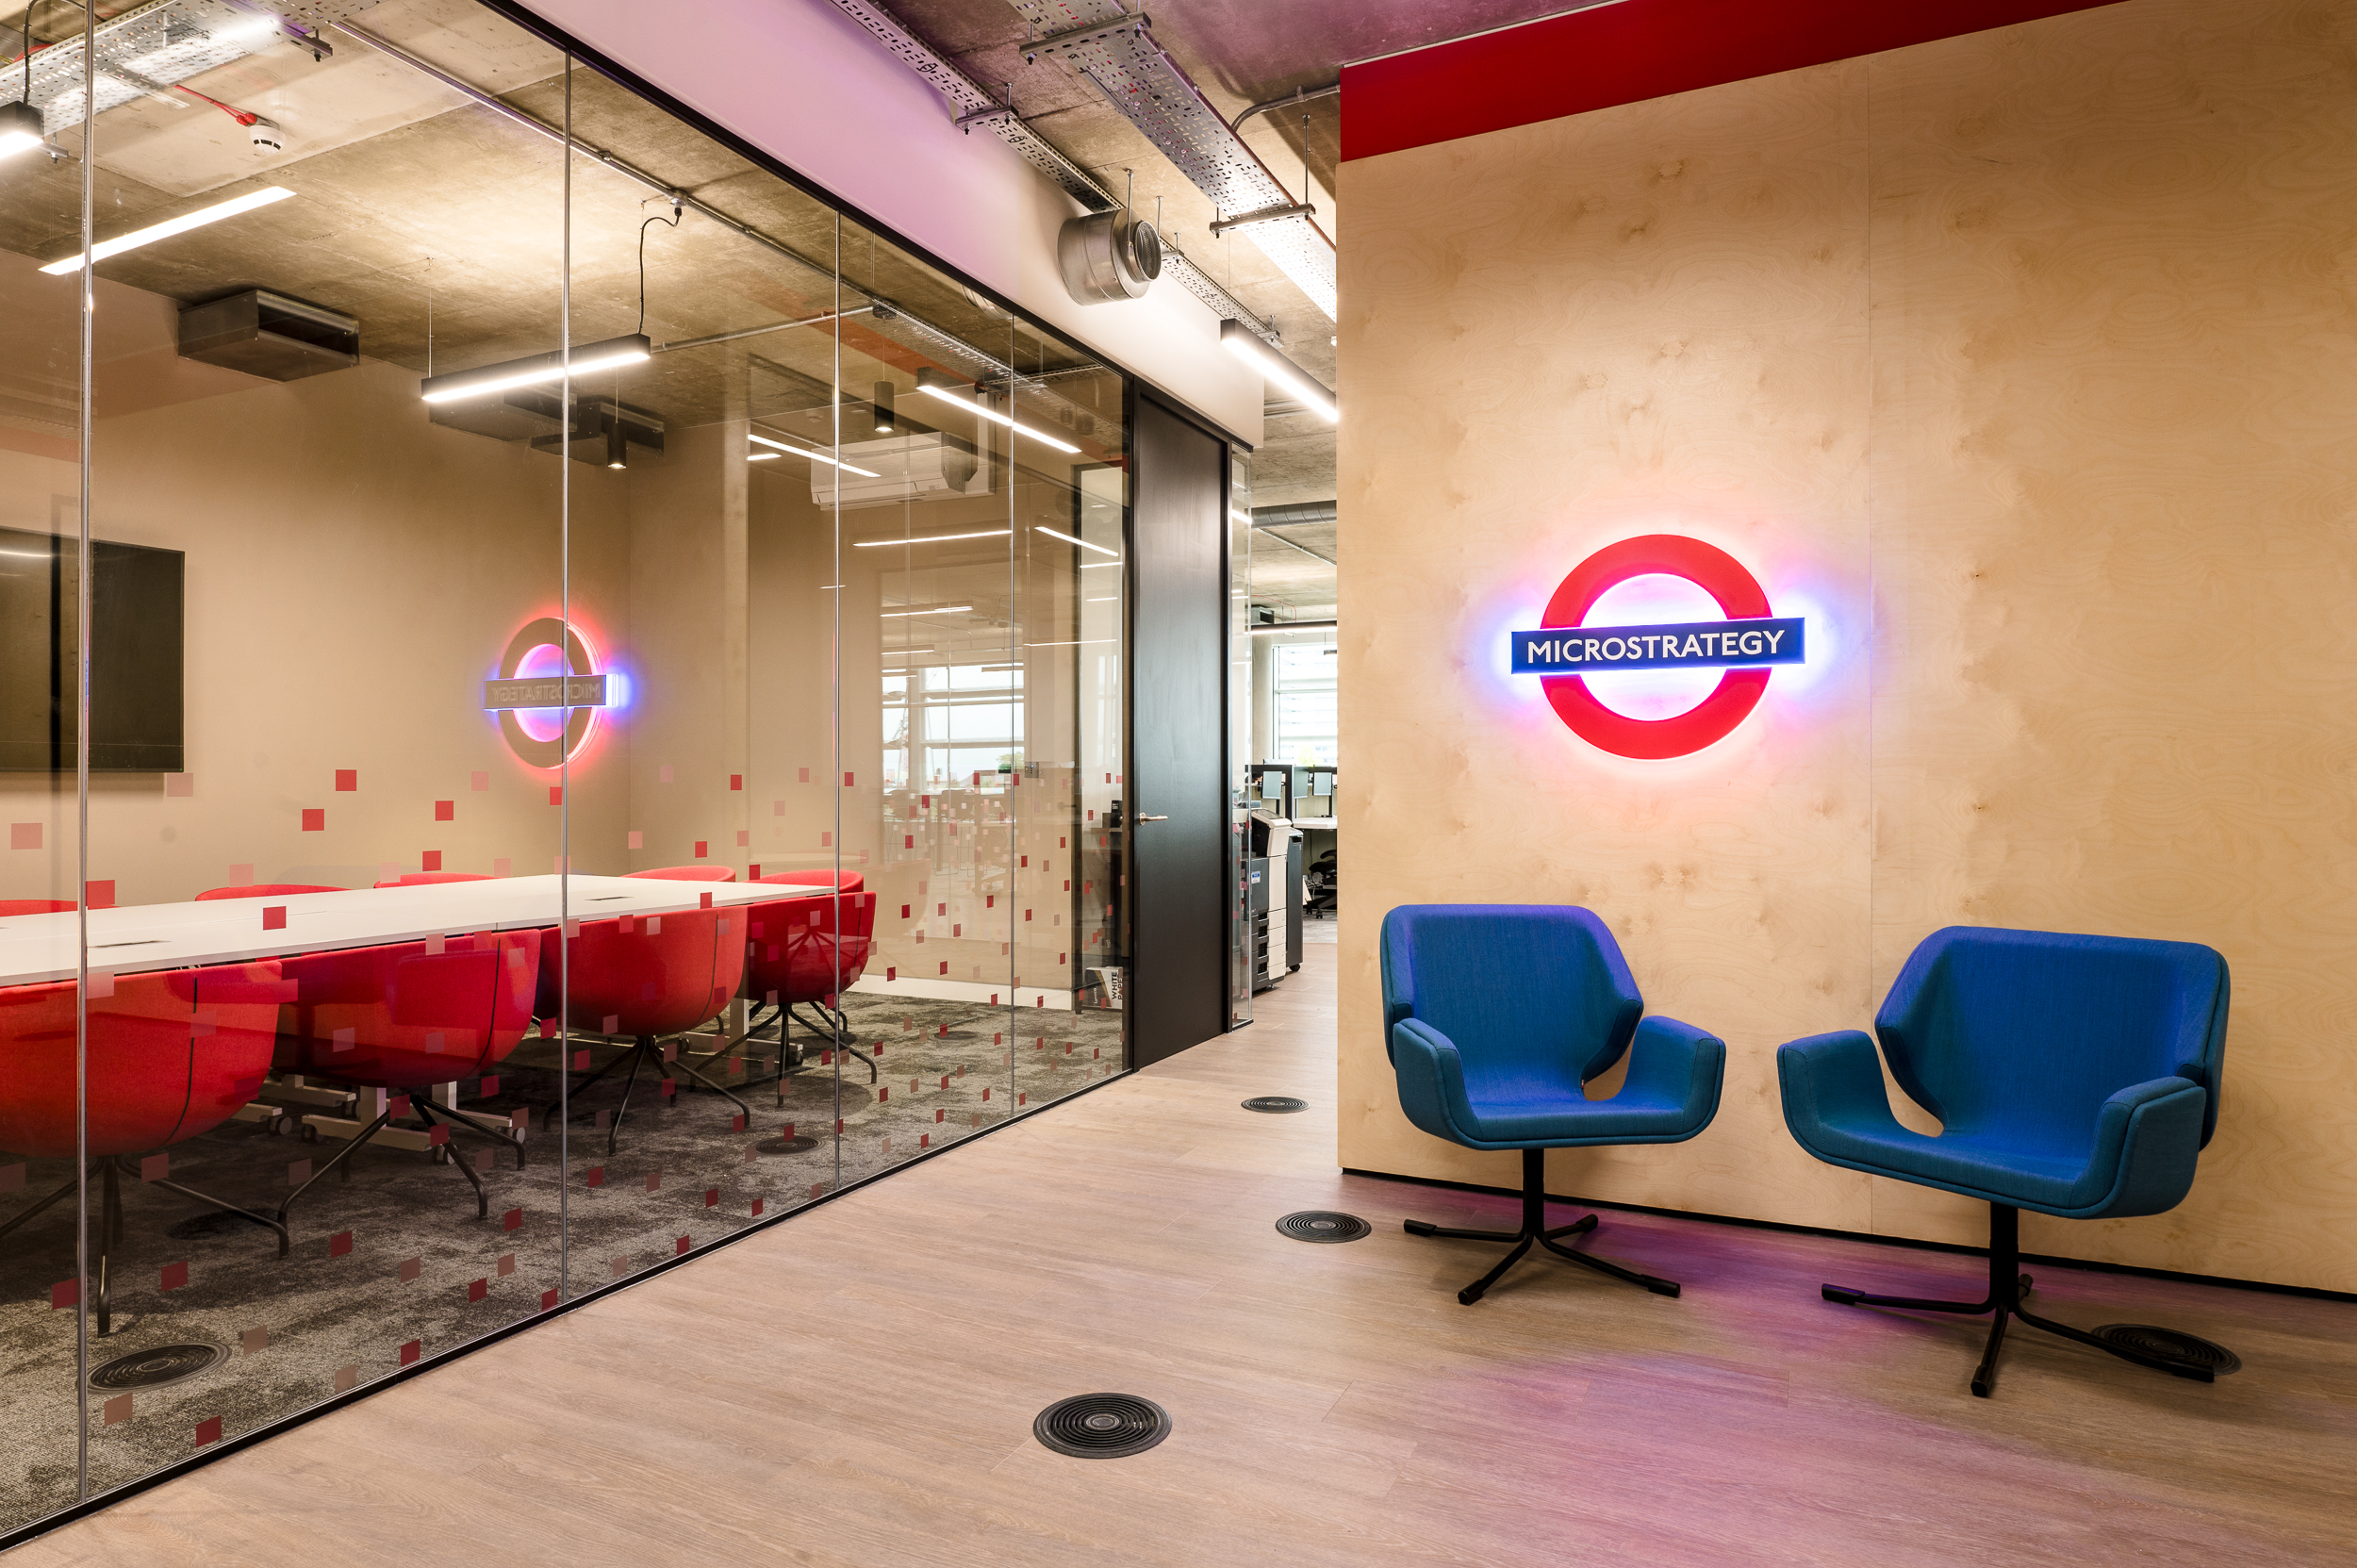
x=426 y=1111
x=2007 y=1285
x=1534 y=1230
x=642 y=1048
x=110 y=1223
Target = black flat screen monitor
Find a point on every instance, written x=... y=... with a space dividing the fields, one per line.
x=137 y=706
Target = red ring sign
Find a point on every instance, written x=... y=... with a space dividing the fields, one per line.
x=1744 y=645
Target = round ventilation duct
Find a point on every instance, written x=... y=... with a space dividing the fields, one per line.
x=1108 y=255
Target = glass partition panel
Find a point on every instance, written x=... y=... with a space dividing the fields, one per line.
x=329 y=533
x=41 y=572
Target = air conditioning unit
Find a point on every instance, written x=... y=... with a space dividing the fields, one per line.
x=899 y=467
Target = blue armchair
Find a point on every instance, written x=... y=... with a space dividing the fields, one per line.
x=1494 y=1015
x=2076 y=1076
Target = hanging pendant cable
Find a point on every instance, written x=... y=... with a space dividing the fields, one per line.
x=658 y=218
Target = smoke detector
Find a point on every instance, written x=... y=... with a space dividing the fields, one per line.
x=1108 y=255
x=267 y=135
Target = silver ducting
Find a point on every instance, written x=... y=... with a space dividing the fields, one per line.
x=1108 y=255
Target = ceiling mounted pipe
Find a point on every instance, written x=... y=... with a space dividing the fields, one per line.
x=1108 y=255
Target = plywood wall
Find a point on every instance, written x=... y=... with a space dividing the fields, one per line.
x=2022 y=364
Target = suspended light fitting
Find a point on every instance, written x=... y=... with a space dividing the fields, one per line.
x=20 y=130
x=1082 y=543
x=486 y=379
x=884 y=423
x=1240 y=341
x=814 y=457
x=171 y=227
x=930 y=538
x=934 y=384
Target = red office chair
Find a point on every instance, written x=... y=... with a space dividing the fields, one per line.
x=172 y=1055
x=35 y=906
x=806 y=951
x=262 y=890
x=687 y=873
x=646 y=977
x=403 y=1017
x=427 y=879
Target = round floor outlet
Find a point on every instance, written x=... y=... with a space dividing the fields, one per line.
x=1102 y=1425
x=1324 y=1224
x=1276 y=1105
x=2170 y=1344
x=155 y=1368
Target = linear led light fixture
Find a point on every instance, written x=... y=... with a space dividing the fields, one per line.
x=20 y=130
x=932 y=538
x=1090 y=565
x=1269 y=628
x=762 y=457
x=814 y=457
x=1082 y=543
x=1238 y=339
x=171 y=227
x=933 y=383
x=540 y=366
x=945 y=609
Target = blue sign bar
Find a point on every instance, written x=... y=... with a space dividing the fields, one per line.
x=1695 y=645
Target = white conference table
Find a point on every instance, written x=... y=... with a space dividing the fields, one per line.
x=35 y=949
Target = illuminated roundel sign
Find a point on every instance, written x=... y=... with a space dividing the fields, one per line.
x=1746 y=645
x=573 y=690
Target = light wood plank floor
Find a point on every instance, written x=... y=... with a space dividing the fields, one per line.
x=856 y=1387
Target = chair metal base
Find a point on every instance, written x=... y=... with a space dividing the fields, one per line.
x=2007 y=1285
x=644 y=1048
x=109 y=1231
x=1535 y=1232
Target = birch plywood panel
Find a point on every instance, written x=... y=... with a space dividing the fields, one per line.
x=2114 y=333
x=2065 y=309
x=1559 y=336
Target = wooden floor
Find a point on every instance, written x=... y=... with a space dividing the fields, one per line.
x=856 y=1387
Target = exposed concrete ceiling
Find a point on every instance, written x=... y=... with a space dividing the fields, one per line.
x=1239 y=53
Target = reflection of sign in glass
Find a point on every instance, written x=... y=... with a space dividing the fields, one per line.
x=1564 y=649
x=576 y=692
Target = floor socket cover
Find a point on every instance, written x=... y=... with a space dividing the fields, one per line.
x=1102 y=1425
x=1275 y=1104
x=1324 y=1224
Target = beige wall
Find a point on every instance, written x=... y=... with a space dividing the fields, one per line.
x=2022 y=364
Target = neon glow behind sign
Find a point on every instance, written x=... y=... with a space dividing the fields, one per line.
x=1748 y=644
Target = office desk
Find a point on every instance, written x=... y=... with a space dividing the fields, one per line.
x=139 y=937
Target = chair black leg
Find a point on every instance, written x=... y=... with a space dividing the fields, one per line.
x=614 y=1128
x=482 y=1198
x=335 y=1161
x=2007 y=1285
x=1535 y=1230
x=212 y=1202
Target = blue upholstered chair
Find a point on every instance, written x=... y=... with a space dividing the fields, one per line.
x=1496 y=1015
x=2076 y=1076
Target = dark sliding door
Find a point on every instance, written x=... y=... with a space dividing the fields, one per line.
x=1177 y=795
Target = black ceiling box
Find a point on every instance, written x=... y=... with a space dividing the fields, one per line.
x=269 y=334
x=136 y=706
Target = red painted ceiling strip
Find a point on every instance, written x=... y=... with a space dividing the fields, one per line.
x=1638 y=49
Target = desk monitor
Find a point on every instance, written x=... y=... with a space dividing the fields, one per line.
x=137 y=704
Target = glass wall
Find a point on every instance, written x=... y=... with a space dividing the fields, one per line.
x=596 y=687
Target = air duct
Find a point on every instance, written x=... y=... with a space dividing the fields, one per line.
x=1108 y=255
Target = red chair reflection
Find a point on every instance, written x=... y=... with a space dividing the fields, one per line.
x=646 y=977
x=807 y=952
x=429 y=878
x=264 y=890
x=35 y=906
x=172 y=1055
x=406 y=1018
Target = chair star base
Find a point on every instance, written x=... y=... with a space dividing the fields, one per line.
x=1535 y=1230
x=2007 y=1285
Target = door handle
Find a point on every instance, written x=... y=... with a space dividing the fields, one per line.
x=1162 y=818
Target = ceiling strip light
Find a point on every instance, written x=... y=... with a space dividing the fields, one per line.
x=1270 y=628
x=171 y=227
x=945 y=609
x=1090 y=565
x=1272 y=366
x=1082 y=543
x=934 y=384
x=932 y=538
x=814 y=457
x=540 y=366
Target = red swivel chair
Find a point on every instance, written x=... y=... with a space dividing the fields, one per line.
x=262 y=890
x=807 y=952
x=172 y=1055
x=646 y=977
x=405 y=1017
x=35 y=906
x=427 y=879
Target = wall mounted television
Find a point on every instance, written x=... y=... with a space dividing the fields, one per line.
x=138 y=708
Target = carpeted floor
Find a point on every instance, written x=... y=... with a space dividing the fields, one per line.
x=394 y=1264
